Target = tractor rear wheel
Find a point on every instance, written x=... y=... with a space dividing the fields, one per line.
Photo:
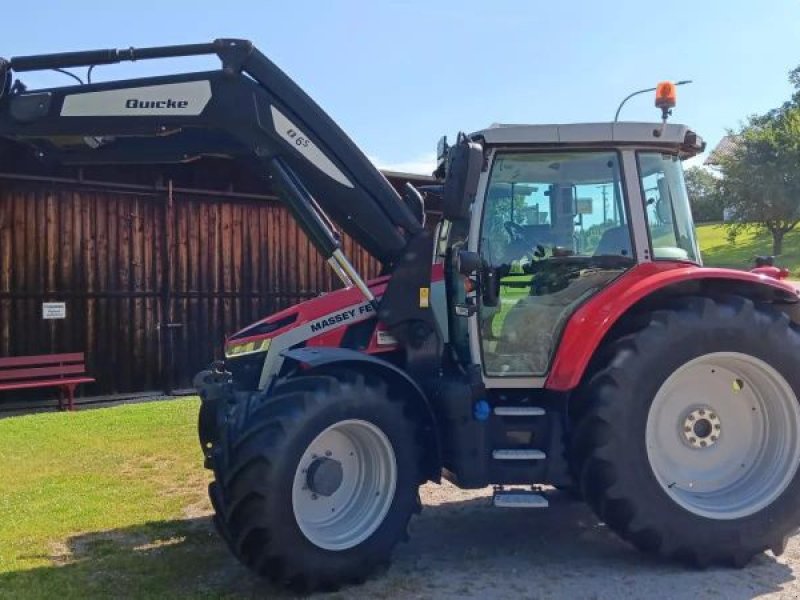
x=690 y=443
x=316 y=482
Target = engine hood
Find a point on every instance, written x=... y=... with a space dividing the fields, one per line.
x=305 y=312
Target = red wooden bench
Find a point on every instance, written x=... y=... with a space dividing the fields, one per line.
x=62 y=371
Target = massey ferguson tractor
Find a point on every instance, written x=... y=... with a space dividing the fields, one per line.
x=555 y=329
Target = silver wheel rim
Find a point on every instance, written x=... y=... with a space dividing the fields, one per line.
x=366 y=471
x=722 y=435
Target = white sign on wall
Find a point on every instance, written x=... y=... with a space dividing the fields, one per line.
x=54 y=310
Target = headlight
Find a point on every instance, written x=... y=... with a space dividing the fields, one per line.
x=234 y=350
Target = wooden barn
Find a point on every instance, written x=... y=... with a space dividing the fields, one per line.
x=148 y=267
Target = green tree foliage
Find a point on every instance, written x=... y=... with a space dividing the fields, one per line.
x=704 y=196
x=761 y=176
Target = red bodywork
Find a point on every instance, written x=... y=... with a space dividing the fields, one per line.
x=582 y=335
x=314 y=309
x=771 y=271
x=327 y=304
x=593 y=320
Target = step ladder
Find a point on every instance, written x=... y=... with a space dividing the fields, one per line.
x=518 y=499
x=519 y=453
x=519 y=411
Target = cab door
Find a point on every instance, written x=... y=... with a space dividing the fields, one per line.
x=554 y=229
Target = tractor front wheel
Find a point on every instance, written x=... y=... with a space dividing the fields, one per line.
x=316 y=481
x=690 y=443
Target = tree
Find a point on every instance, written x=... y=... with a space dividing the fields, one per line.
x=704 y=197
x=761 y=176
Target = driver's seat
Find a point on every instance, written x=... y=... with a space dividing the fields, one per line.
x=615 y=241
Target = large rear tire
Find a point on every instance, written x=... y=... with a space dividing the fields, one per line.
x=690 y=442
x=316 y=482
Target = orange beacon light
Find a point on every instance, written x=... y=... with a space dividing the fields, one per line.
x=666 y=95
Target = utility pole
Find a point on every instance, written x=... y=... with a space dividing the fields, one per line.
x=604 y=189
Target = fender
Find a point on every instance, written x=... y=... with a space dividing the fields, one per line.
x=315 y=357
x=589 y=325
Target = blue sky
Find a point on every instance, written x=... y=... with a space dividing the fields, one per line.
x=397 y=74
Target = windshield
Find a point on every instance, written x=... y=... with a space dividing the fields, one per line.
x=669 y=217
x=543 y=205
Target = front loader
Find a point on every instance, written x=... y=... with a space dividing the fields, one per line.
x=557 y=328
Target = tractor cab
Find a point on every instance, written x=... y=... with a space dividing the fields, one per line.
x=559 y=213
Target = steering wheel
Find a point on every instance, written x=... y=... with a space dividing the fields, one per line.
x=515 y=231
x=520 y=245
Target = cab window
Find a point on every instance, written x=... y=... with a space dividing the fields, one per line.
x=669 y=217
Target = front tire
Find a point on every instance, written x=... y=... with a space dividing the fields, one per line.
x=690 y=443
x=316 y=482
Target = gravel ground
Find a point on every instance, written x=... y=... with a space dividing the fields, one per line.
x=461 y=547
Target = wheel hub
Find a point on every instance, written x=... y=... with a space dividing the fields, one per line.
x=701 y=427
x=324 y=476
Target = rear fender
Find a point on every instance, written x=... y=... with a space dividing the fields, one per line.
x=649 y=285
x=315 y=358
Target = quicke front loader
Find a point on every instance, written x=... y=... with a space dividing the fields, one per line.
x=556 y=327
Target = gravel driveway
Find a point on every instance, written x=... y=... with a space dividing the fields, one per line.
x=461 y=547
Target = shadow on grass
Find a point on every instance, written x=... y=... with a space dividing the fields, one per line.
x=459 y=549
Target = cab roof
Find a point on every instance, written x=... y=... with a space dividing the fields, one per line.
x=585 y=133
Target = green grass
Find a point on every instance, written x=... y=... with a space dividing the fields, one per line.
x=109 y=503
x=717 y=251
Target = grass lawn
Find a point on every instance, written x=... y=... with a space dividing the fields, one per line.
x=719 y=252
x=109 y=503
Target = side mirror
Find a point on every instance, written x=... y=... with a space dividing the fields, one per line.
x=464 y=164
x=470 y=263
x=489 y=287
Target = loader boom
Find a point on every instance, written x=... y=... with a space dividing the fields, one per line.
x=247 y=110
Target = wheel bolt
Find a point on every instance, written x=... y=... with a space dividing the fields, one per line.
x=702 y=411
x=313 y=496
x=687 y=428
x=713 y=438
x=703 y=444
x=328 y=453
x=693 y=440
x=691 y=417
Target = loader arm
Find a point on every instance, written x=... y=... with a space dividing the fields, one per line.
x=247 y=110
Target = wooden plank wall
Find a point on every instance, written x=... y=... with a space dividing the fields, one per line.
x=153 y=282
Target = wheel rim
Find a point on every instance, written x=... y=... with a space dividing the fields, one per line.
x=344 y=485
x=722 y=435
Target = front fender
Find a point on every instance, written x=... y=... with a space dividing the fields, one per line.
x=590 y=324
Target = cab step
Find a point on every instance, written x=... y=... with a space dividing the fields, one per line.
x=519 y=411
x=518 y=454
x=519 y=499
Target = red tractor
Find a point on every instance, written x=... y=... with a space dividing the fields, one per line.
x=557 y=328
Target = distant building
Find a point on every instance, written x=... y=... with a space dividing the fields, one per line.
x=155 y=264
x=723 y=149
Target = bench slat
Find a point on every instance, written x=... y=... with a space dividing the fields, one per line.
x=36 y=372
x=40 y=359
x=45 y=383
